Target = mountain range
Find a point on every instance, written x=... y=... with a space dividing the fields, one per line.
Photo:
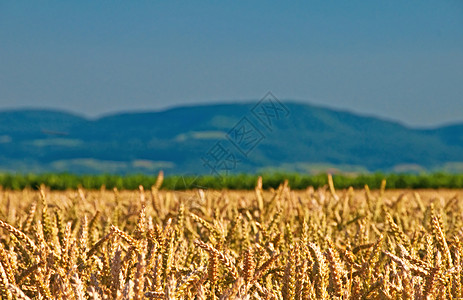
x=223 y=138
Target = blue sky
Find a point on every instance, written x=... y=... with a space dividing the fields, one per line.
x=401 y=60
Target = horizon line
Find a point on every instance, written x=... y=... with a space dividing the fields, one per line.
x=222 y=103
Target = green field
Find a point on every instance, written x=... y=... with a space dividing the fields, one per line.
x=235 y=182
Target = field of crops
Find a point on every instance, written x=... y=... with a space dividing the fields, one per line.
x=56 y=181
x=220 y=244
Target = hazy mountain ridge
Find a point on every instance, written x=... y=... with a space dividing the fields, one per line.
x=309 y=139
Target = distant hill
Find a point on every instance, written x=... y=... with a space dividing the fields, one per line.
x=182 y=140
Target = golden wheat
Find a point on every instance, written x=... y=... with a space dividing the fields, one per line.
x=205 y=244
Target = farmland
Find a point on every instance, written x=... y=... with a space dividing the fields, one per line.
x=264 y=243
x=63 y=181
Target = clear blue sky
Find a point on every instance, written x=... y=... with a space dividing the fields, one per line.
x=401 y=60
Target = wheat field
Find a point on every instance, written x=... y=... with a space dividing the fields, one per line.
x=210 y=244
